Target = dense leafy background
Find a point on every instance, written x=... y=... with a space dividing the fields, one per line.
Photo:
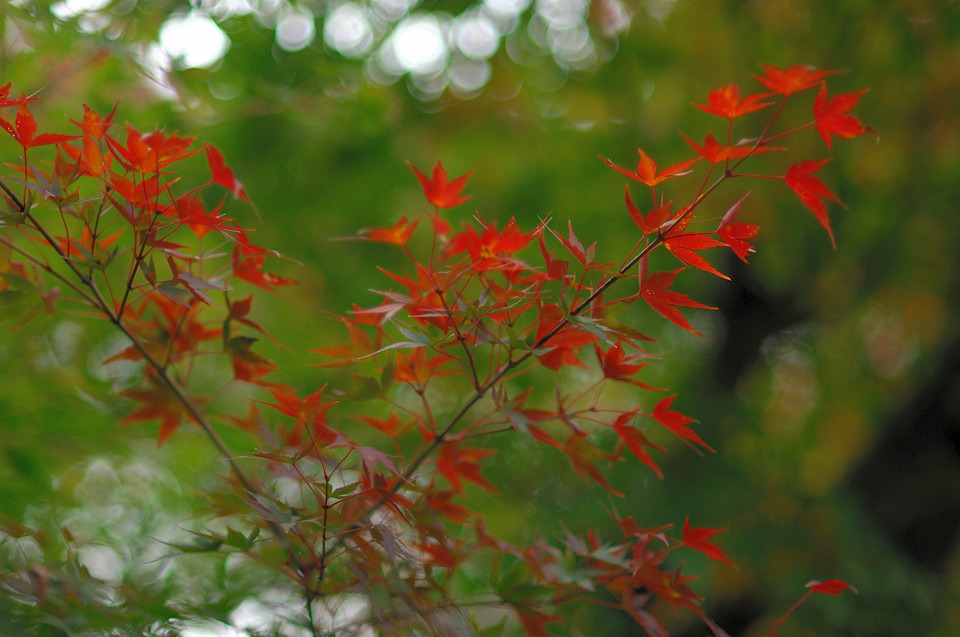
x=829 y=381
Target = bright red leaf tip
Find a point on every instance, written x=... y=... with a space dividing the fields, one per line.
x=677 y=423
x=440 y=192
x=20 y=101
x=222 y=174
x=791 y=80
x=735 y=233
x=636 y=441
x=617 y=365
x=812 y=191
x=684 y=247
x=696 y=539
x=832 y=118
x=830 y=587
x=654 y=291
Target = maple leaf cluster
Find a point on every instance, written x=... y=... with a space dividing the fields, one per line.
x=443 y=362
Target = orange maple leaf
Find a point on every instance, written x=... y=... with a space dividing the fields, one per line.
x=791 y=80
x=439 y=191
x=725 y=102
x=647 y=173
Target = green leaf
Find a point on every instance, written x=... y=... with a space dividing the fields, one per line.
x=345 y=490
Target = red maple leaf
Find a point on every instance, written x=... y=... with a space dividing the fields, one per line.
x=725 y=102
x=5 y=93
x=684 y=247
x=791 y=80
x=654 y=220
x=534 y=620
x=492 y=248
x=654 y=291
x=616 y=365
x=584 y=455
x=301 y=410
x=696 y=539
x=221 y=174
x=812 y=191
x=152 y=152
x=156 y=403
x=636 y=441
x=415 y=368
x=574 y=246
x=829 y=587
x=438 y=190
x=397 y=235
x=193 y=213
x=92 y=161
x=442 y=502
x=714 y=152
x=359 y=347
x=94 y=125
x=392 y=426
x=647 y=173
x=455 y=463
x=736 y=233
x=677 y=423
x=561 y=348
x=832 y=118
x=24 y=129
x=250 y=269
x=85 y=248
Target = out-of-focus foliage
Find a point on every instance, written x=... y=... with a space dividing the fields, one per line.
x=817 y=360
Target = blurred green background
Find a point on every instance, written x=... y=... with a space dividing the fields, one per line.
x=830 y=381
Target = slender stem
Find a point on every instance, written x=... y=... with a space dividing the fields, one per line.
x=13 y=198
x=50 y=271
x=776 y=624
x=456 y=330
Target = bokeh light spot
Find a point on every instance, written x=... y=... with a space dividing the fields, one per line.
x=477 y=36
x=193 y=40
x=295 y=30
x=347 y=30
x=419 y=45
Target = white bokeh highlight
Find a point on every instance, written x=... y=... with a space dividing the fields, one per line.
x=295 y=30
x=193 y=40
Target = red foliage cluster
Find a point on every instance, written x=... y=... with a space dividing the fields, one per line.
x=481 y=310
